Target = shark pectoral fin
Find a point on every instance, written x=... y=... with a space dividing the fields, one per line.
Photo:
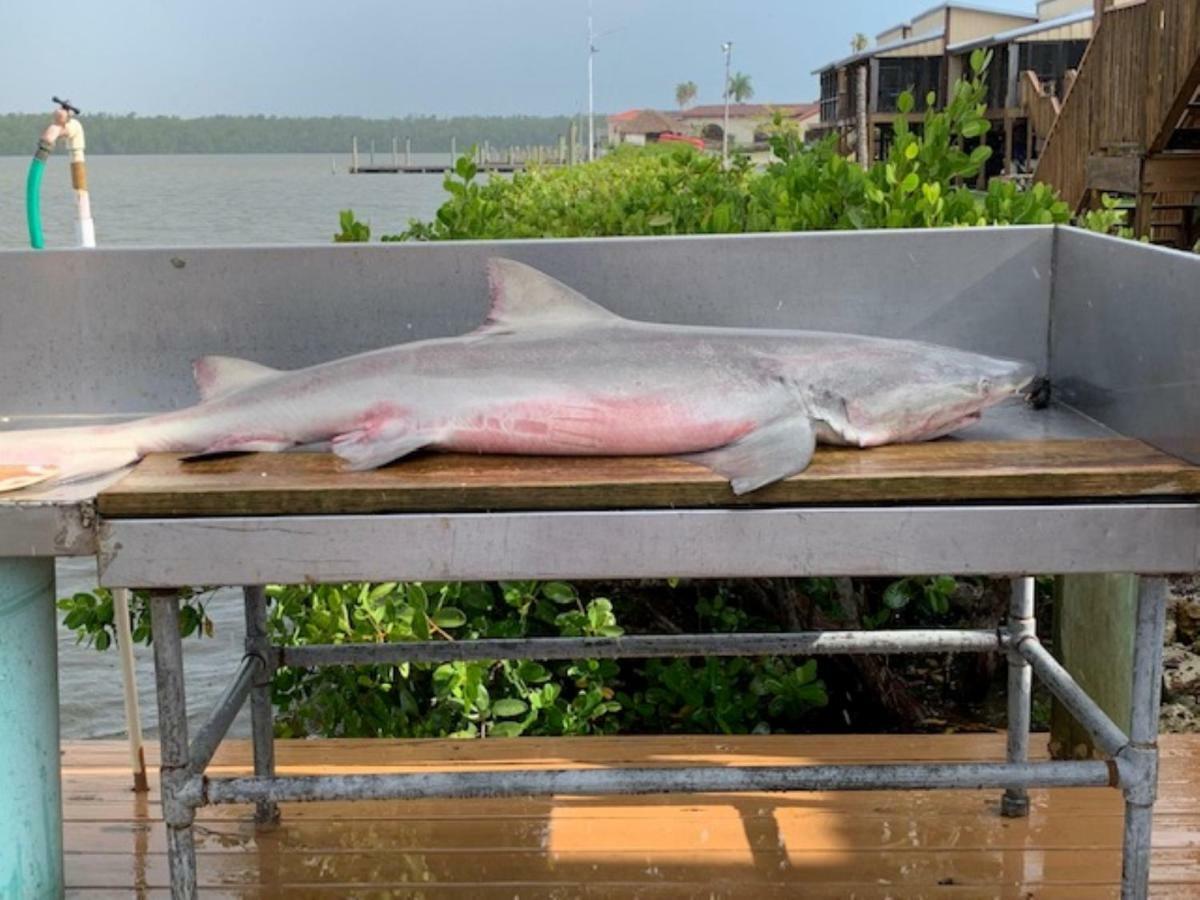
x=778 y=449
x=370 y=448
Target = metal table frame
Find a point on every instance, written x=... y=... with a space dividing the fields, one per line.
x=1010 y=540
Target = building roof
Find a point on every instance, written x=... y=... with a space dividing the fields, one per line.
x=886 y=48
x=970 y=7
x=751 y=110
x=646 y=121
x=1014 y=34
x=624 y=116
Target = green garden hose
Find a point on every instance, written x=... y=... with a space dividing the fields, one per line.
x=33 y=200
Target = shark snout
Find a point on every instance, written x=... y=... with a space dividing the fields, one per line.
x=1012 y=378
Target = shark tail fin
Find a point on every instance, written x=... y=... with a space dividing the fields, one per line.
x=62 y=455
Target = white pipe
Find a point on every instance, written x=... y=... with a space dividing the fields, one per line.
x=85 y=227
x=133 y=715
x=728 y=48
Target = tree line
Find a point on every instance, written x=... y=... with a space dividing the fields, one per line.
x=108 y=133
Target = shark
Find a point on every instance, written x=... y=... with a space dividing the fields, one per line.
x=551 y=372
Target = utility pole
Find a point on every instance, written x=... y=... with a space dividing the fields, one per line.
x=862 y=125
x=727 y=47
x=591 y=90
x=592 y=51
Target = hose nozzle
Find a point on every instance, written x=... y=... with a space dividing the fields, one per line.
x=66 y=105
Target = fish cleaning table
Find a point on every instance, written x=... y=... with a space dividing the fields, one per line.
x=1002 y=507
x=1102 y=481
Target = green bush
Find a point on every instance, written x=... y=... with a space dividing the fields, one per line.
x=509 y=698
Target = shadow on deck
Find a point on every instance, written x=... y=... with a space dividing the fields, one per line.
x=871 y=844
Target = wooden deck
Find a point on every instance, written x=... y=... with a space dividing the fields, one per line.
x=867 y=845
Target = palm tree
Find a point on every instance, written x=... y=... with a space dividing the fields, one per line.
x=739 y=87
x=858 y=43
x=685 y=93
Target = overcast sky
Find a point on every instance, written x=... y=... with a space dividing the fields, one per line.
x=377 y=58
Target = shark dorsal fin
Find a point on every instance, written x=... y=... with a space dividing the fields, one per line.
x=217 y=376
x=523 y=298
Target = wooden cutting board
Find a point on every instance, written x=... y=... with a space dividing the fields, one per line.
x=937 y=472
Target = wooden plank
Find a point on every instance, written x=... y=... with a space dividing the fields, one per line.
x=1117 y=174
x=1093 y=638
x=1171 y=173
x=314 y=484
x=904 y=871
x=668 y=830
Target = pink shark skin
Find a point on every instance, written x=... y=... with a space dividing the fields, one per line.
x=550 y=372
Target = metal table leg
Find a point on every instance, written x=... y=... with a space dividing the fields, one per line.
x=258 y=643
x=1141 y=755
x=173 y=739
x=1021 y=623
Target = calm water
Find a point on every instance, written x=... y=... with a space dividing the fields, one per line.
x=190 y=200
x=216 y=199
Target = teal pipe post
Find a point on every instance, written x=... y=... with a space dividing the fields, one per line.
x=33 y=202
x=31 y=860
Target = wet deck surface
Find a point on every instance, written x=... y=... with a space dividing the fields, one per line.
x=870 y=845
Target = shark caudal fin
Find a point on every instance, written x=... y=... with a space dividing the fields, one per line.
x=62 y=454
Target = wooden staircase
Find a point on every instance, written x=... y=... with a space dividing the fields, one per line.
x=1130 y=124
x=1041 y=108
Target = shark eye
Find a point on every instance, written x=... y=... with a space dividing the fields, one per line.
x=985 y=385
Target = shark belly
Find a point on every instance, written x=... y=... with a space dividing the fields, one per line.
x=610 y=426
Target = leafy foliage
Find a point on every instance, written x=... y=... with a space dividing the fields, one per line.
x=460 y=699
x=90 y=616
x=740 y=89
x=685 y=93
x=353 y=231
x=1111 y=218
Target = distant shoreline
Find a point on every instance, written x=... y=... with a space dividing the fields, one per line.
x=151 y=135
